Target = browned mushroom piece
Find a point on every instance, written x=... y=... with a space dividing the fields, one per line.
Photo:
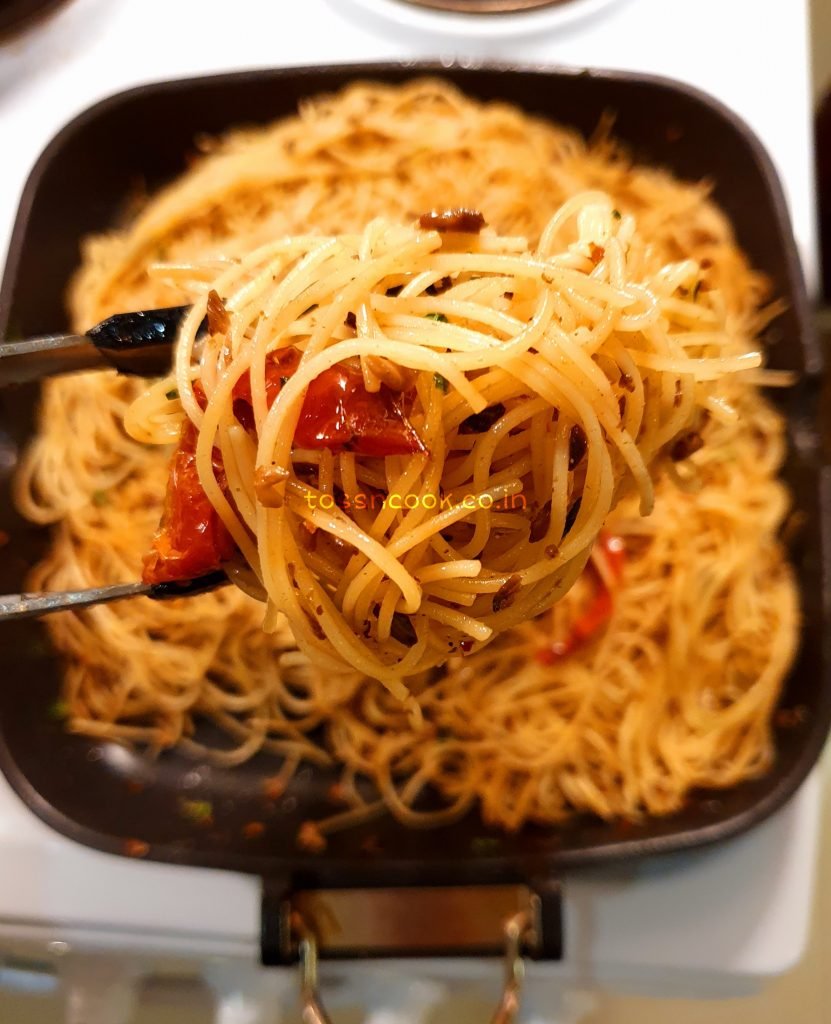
x=685 y=446
x=267 y=480
x=461 y=220
x=218 y=320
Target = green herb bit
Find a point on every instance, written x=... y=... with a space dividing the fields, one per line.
x=440 y=382
x=696 y=290
x=172 y=395
x=485 y=844
x=38 y=647
x=198 y=811
x=58 y=710
x=442 y=319
x=100 y=499
x=283 y=381
x=616 y=214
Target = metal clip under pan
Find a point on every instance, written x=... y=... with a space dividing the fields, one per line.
x=511 y=920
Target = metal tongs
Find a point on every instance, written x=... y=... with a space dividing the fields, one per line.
x=138 y=344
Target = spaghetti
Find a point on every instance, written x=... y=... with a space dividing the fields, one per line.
x=553 y=377
x=654 y=673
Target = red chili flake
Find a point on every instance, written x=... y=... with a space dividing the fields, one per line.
x=466 y=645
x=372 y=845
x=136 y=848
x=310 y=838
x=596 y=253
x=789 y=718
x=793 y=526
x=253 y=829
x=273 y=787
x=337 y=793
x=351 y=321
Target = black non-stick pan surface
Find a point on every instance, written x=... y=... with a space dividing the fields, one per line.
x=106 y=796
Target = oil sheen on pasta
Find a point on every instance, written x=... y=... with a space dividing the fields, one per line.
x=657 y=672
x=413 y=437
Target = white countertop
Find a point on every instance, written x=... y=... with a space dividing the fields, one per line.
x=715 y=921
x=730 y=48
x=703 y=923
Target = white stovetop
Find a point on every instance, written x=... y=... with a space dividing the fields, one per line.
x=701 y=923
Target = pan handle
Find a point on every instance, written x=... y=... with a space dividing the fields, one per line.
x=515 y=930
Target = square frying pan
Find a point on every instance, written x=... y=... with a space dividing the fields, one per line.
x=86 y=789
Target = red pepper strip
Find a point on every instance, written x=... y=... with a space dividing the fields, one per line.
x=337 y=412
x=279 y=367
x=599 y=609
x=614 y=553
x=191 y=539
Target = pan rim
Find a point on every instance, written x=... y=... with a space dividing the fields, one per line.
x=498 y=867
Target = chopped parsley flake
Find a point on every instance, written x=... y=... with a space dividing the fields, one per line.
x=58 y=710
x=485 y=844
x=198 y=811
